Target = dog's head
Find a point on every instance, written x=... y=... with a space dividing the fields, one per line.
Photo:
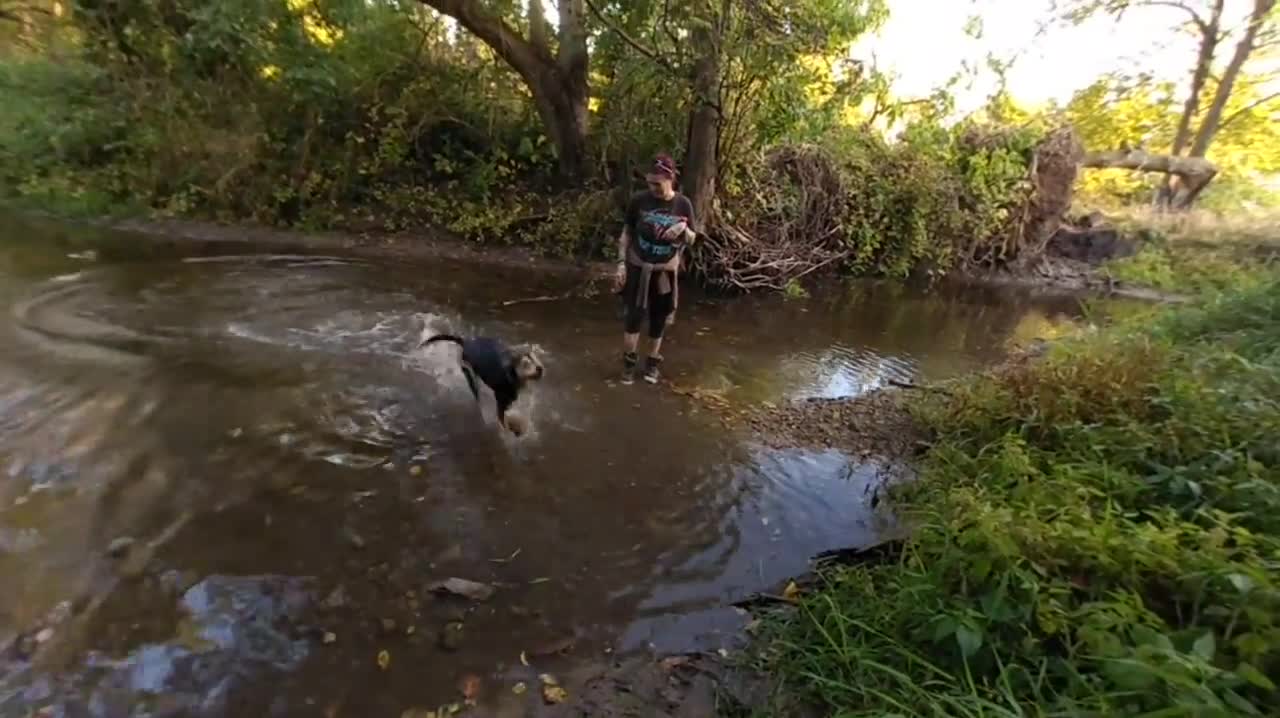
x=527 y=362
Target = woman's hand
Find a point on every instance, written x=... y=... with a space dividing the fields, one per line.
x=620 y=277
x=677 y=232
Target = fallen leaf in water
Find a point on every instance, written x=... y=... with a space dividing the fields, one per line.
x=120 y=546
x=670 y=663
x=519 y=688
x=467 y=589
x=330 y=637
x=469 y=687
x=537 y=581
x=524 y=660
x=554 y=694
x=791 y=592
x=384 y=660
x=548 y=680
x=451 y=636
x=559 y=645
x=415 y=470
x=418 y=713
x=508 y=559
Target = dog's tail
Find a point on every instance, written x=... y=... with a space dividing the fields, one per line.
x=441 y=338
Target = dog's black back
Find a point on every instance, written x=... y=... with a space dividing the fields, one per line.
x=487 y=359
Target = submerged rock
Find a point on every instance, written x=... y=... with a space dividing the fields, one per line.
x=234 y=631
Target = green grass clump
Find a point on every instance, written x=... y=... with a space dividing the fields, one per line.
x=1098 y=534
x=1198 y=252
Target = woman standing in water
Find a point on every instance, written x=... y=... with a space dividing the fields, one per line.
x=656 y=228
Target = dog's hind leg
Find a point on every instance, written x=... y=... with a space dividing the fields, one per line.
x=470 y=374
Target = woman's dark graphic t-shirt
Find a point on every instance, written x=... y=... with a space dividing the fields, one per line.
x=647 y=216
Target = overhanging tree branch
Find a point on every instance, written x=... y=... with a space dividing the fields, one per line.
x=1194 y=173
x=635 y=44
x=1248 y=108
x=1196 y=17
x=523 y=56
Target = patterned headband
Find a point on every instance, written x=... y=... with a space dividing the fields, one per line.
x=664 y=166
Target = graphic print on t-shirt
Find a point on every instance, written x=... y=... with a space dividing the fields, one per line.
x=653 y=223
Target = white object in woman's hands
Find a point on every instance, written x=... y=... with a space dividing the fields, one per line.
x=675 y=232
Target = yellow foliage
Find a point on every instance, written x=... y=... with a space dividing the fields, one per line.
x=317 y=28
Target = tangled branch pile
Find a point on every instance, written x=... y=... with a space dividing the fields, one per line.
x=789 y=223
x=975 y=196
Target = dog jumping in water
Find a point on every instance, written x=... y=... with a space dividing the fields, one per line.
x=505 y=370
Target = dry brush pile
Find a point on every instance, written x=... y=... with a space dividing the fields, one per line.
x=982 y=198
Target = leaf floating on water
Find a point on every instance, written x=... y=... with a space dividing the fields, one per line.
x=548 y=680
x=469 y=687
x=467 y=589
x=791 y=592
x=330 y=637
x=519 y=688
x=415 y=470
x=536 y=581
x=552 y=695
x=384 y=660
x=524 y=660
x=418 y=713
x=671 y=663
x=551 y=648
x=508 y=559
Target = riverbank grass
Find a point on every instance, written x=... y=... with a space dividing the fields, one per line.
x=1197 y=252
x=1098 y=534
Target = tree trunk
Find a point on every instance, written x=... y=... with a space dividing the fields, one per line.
x=1209 y=38
x=1193 y=173
x=573 y=66
x=702 y=151
x=1244 y=48
x=702 y=161
x=558 y=84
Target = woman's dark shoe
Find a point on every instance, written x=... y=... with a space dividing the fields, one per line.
x=651 y=369
x=629 y=360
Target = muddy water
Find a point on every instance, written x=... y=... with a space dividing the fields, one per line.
x=229 y=481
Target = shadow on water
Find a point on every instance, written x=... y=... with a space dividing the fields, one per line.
x=313 y=473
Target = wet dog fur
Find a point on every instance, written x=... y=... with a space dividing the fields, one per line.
x=505 y=370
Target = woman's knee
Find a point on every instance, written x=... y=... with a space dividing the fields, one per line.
x=632 y=318
x=658 y=315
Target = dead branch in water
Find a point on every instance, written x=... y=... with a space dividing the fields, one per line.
x=584 y=290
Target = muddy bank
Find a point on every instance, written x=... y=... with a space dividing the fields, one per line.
x=1052 y=272
x=418 y=246
x=1069 y=276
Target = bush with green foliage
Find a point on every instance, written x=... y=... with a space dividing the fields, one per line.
x=1098 y=533
x=351 y=115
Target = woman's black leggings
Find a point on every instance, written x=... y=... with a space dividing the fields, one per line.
x=660 y=305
